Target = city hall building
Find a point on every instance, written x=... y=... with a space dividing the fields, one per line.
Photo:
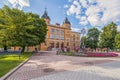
x=59 y=36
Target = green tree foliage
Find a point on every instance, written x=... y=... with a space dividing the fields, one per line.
x=117 y=41
x=18 y=28
x=107 y=37
x=86 y=43
x=5 y=27
x=92 y=38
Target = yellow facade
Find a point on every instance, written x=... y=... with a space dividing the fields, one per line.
x=59 y=36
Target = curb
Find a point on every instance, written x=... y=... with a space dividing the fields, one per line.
x=15 y=69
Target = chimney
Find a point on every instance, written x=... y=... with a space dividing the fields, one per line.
x=57 y=24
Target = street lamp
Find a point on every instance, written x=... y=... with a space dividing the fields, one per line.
x=83 y=31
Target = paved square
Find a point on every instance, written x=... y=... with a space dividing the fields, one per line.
x=48 y=66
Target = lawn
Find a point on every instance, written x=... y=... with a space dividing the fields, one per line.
x=68 y=53
x=8 y=62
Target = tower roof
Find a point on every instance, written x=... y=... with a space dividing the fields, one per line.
x=67 y=21
x=45 y=15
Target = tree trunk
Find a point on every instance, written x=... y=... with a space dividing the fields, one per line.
x=5 y=48
x=23 y=48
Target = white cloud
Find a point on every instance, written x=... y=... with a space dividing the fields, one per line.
x=84 y=23
x=94 y=16
x=19 y=3
x=98 y=12
x=75 y=8
x=84 y=3
x=76 y=29
x=68 y=13
x=112 y=10
x=83 y=18
x=66 y=6
x=78 y=16
x=76 y=3
x=92 y=10
x=92 y=1
x=118 y=28
x=72 y=9
x=69 y=0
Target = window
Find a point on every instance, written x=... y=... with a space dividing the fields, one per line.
x=57 y=45
x=51 y=35
x=73 y=44
x=67 y=39
x=62 y=37
x=52 y=30
x=57 y=31
x=52 y=44
x=62 y=45
x=57 y=36
x=73 y=37
x=67 y=43
x=62 y=32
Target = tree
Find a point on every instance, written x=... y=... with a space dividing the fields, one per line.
x=36 y=29
x=107 y=37
x=6 y=27
x=92 y=38
x=85 y=41
x=22 y=29
x=117 y=41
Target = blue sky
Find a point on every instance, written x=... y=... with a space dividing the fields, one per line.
x=81 y=13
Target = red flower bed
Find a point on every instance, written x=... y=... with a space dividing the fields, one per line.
x=110 y=54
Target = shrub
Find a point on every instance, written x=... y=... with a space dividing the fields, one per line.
x=68 y=53
x=68 y=49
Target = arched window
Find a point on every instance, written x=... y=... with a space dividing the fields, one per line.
x=57 y=45
x=62 y=45
x=52 y=44
x=67 y=43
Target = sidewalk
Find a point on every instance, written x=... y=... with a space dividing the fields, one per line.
x=48 y=66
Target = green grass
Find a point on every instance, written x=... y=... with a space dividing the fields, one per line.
x=68 y=53
x=8 y=62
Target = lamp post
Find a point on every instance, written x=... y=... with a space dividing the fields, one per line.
x=83 y=31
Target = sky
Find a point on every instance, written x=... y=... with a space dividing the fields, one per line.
x=81 y=13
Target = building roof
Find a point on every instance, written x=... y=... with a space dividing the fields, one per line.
x=67 y=21
x=60 y=27
x=45 y=15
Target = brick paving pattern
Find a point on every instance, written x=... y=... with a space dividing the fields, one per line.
x=48 y=66
x=107 y=71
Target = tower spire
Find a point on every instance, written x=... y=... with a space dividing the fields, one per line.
x=45 y=15
x=45 y=8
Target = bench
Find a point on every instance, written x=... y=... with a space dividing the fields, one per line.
x=2 y=53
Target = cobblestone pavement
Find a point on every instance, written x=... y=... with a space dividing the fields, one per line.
x=48 y=66
x=107 y=71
